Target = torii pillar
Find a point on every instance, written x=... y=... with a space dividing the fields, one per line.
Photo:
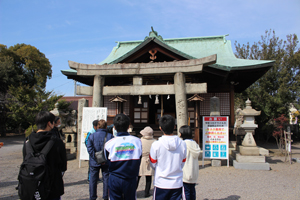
x=98 y=91
x=180 y=98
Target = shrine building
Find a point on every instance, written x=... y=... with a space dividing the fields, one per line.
x=148 y=78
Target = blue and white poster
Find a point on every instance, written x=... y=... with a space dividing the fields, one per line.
x=215 y=137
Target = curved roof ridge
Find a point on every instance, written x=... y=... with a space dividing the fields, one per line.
x=202 y=37
x=170 y=39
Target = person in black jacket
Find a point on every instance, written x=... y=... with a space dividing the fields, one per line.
x=56 y=158
x=56 y=131
x=96 y=143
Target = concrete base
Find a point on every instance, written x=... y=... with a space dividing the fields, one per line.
x=251 y=166
x=263 y=151
x=216 y=163
x=249 y=151
x=250 y=159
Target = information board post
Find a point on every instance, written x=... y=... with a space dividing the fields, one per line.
x=215 y=138
x=89 y=114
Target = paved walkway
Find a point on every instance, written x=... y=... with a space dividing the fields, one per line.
x=281 y=182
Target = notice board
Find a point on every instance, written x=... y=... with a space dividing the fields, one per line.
x=215 y=137
x=89 y=114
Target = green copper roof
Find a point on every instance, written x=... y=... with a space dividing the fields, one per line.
x=191 y=48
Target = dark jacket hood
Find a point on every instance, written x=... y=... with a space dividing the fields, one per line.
x=40 y=139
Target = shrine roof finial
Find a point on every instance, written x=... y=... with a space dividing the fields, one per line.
x=153 y=34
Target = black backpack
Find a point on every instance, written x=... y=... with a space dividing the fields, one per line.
x=35 y=176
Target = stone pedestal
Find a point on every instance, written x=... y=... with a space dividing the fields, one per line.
x=250 y=159
x=249 y=151
x=251 y=166
x=251 y=162
x=250 y=156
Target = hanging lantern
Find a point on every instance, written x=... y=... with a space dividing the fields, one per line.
x=168 y=97
x=156 y=99
x=140 y=100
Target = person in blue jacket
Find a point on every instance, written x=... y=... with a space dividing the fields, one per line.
x=96 y=143
x=93 y=130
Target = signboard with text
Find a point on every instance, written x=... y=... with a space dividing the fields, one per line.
x=88 y=116
x=215 y=137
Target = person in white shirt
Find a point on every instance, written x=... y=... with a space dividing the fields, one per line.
x=191 y=166
x=167 y=157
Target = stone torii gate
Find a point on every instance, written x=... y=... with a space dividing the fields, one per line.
x=137 y=71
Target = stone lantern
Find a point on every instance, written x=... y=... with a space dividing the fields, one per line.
x=249 y=145
x=250 y=156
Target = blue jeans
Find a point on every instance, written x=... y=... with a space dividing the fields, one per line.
x=189 y=191
x=171 y=194
x=94 y=177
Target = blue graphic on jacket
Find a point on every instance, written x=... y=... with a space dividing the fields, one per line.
x=125 y=150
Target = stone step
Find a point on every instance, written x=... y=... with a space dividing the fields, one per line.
x=250 y=159
x=251 y=166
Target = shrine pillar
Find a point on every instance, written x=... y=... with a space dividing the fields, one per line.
x=180 y=98
x=98 y=91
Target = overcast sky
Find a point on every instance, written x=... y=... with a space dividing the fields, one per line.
x=86 y=31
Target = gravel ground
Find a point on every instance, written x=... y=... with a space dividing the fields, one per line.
x=281 y=182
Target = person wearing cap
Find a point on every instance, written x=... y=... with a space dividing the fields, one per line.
x=145 y=169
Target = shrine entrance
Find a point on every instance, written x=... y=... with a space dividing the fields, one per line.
x=148 y=108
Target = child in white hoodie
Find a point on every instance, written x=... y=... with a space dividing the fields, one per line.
x=191 y=167
x=167 y=157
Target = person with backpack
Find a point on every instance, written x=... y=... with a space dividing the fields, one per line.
x=93 y=130
x=191 y=167
x=96 y=143
x=44 y=162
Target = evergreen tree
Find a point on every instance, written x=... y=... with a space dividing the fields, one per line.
x=280 y=86
x=24 y=71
